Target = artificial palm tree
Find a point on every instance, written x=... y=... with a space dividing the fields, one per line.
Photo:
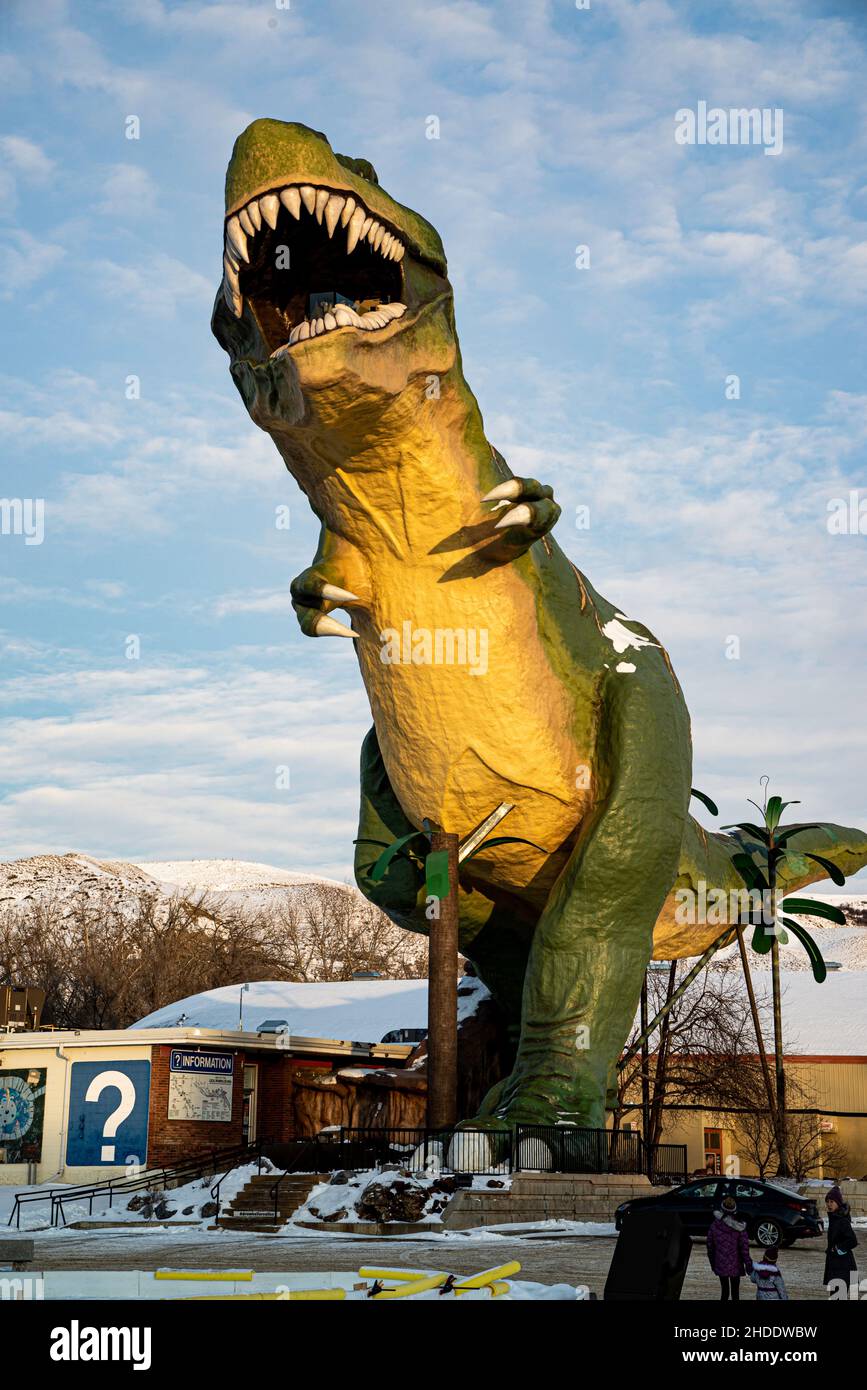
x=765 y=847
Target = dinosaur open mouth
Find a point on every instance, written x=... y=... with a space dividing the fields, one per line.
x=310 y=261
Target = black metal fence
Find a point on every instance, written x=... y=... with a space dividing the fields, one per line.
x=527 y=1148
x=666 y=1166
x=426 y=1150
x=567 y=1149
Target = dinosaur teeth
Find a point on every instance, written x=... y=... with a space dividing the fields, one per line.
x=356 y=222
x=236 y=238
x=291 y=199
x=333 y=209
x=269 y=206
x=342 y=316
x=330 y=209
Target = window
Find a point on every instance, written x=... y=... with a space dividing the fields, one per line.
x=747 y=1191
x=700 y=1190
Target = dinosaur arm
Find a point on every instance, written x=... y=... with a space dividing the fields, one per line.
x=337 y=579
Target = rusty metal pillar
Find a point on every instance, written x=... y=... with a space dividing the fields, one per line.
x=442 y=999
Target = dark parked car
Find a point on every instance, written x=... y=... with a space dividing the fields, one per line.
x=774 y=1214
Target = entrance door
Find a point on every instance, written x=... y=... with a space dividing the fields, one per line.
x=713 y=1150
x=251 y=1087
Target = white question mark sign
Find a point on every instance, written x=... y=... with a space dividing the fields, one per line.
x=117 y=1117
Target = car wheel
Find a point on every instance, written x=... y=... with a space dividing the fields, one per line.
x=768 y=1233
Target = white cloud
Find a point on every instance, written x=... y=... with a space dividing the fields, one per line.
x=159 y=287
x=128 y=192
x=26 y=260
x=26 y=157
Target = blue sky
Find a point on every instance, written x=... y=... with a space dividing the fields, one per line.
x=708 y=515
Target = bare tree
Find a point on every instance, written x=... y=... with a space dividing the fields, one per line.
x=698 y=1052
x=807 y=1148
x=327 y=936
x=107 y=966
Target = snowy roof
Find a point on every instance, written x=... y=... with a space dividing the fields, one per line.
x=356 y=1010
x=827 y=1020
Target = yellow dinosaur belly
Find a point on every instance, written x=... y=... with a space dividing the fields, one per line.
x=470 y=713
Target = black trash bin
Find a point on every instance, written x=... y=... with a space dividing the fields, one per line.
x=650 y=1257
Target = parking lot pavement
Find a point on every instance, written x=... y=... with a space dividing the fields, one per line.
x=550 y=1260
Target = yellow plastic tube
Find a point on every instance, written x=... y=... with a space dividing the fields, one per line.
x=399 y=1274
x=432 y=1281
x=489 y=1276
x=234 y=1276
x=498 y=1287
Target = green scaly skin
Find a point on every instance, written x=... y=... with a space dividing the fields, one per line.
x=386 y=440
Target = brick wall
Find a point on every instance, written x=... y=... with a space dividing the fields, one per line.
x=170 y=1141
x=276 y=1107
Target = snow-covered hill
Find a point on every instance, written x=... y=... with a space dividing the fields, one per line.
x=68 y=880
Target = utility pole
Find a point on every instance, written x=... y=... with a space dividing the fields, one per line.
x=442 y=999
x=782 y=1136
x=645 y=1074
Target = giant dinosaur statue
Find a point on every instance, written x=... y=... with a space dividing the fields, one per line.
x=495 y=671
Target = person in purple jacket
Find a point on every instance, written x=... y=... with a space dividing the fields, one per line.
x=728 y=1249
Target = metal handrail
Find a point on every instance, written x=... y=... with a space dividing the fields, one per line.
x=151 y=1177
x=215 y=1190
x=274 y=1191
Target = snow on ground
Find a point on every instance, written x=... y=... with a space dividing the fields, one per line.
x=227 y=875
x=185 y=1203
x=71 y=881
x=350 y=1010
x=343 y=1201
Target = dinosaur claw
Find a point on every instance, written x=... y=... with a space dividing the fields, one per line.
x=516 y=516
x=326 y=626
x=337 y=595
x=504 y=491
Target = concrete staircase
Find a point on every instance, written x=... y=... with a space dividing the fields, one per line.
x=546 y=1197
x=252 y=1209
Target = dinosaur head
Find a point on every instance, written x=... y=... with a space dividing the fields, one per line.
x=334 y=295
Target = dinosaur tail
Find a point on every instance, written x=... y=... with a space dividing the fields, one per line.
x=706 y=871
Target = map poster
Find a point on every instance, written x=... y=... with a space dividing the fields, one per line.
x=200 y=1085
x=22 y=1115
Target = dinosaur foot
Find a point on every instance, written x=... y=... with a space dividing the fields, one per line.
x=527 y=1101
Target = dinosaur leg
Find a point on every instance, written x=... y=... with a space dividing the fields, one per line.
x=491 y=936
x=594 y=938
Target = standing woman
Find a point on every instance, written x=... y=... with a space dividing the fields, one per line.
x=728 y=1249
x=839 y=1260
